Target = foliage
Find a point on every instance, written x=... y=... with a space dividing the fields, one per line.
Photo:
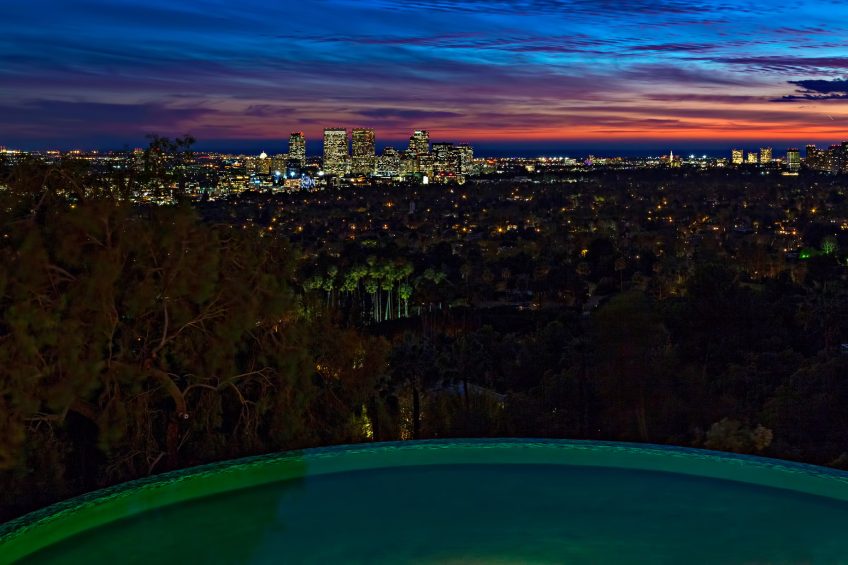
x=731 y=435
x=141 y=339
x=138 y=338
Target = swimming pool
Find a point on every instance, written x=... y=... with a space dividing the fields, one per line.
x=475 y=501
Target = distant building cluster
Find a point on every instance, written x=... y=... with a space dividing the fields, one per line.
x=834 y=159
x=355 y=155
x=764 y=156
x=831 y=160
x=350 y=158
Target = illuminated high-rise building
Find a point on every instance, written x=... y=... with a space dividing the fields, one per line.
x=829 y=159
x=840 y=158
x=388 y=165
x=765 y=155
x=408 y=163
x=466 y=158
x=752 y=158
x=419 y=143
x=364 y=157
x=814 y=158
x=793 y=160
x=297 y=147
x=736 y=156
x=833 y=160
x=426 y=165
x=445 y=159
x=336 y=156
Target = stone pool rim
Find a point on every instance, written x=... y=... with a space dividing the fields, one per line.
x=40 y=529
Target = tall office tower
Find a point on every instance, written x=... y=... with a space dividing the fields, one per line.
x=419 y=143
x=813 y=158
x=752 y=158
x=426 y=165
x=445 y=159
x=408 y=163
x=278 y=162
x=336 y=157
x=466 y=158
x=388 y=165
x=297 y=147
x=364 y=157
x=765 y=155
x=829 y=158
x=841 y=160
x=736 y=157
x=793 y=160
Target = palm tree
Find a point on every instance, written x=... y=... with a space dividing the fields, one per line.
x=413 y=363
x=620 y=265
x=404 y=293
x=329 y=283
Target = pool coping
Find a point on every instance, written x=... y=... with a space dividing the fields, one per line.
x=50 y=525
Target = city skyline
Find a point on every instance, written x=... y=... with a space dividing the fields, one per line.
x=300 y=146
x=521 y=73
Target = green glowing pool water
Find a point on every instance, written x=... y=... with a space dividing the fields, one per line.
x=456 y=502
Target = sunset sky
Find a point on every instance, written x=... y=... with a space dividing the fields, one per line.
x=545 y=73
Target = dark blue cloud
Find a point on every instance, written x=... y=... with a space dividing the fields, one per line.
x=823 y=86
x=817 y=89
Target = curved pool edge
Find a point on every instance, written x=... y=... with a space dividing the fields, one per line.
x=40 y=529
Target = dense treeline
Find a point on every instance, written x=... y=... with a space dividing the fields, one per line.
x=138 y=339
x=135 y=340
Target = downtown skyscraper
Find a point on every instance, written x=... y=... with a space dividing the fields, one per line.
x=445 y=158
x=737 y=156
x=419 y=142
x=793 y=159
x=297 y=148
x=336 y=156
x=363 y=151
x=466 y=158
x=356 y=156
